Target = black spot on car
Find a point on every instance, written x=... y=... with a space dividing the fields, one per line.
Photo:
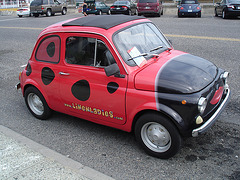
x=51 y=49
x=28 y=70
x=47 y=75
x=81 y=90
x=112 y=87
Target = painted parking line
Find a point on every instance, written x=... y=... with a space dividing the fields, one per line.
x=202 y=37
x=25 y=28
x=168 y=35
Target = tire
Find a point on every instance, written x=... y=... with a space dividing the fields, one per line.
x=162 y=12
x=109 y=12
x=129 y=12
x=224 y=15
x=36 y=103
x=64 y=11
x=157 y=135
x=100 y=13
x=48 y=13
x=216 y=14
x=159 y=14
x=199 y=15
x=20 y=16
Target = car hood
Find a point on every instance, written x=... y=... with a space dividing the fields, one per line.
x=183 y=74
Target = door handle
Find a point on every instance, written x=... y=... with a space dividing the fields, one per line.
x=64 y=74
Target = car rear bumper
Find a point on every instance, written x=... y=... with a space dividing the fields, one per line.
x=214 y=117
x=186 y=13
x=37 y=12
x=232 y=12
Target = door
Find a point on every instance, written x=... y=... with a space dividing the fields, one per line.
x=85 y=90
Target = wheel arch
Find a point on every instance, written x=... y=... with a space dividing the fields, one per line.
x=178 y=124
x=38 y=88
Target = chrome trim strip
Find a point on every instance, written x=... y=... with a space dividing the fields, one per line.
x=214 y=117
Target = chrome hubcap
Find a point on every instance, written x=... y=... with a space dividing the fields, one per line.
x=156 y=137
x=35 y=104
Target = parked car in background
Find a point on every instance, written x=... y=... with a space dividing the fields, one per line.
x=48 y=7
x=149 y=7
x=189 y=8
x=97 y=8
x=121 y=71
x=227 y=8
x=123 y=7
x=23 y=11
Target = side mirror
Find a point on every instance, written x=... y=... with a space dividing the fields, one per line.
x=112 y=69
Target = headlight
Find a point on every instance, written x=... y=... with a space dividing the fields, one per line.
x=202 y=104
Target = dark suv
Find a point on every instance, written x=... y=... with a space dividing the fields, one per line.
x=48 y=7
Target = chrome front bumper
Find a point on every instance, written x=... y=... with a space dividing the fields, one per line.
x=214 y=117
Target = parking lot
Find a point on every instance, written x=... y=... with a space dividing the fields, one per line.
x=214 y=155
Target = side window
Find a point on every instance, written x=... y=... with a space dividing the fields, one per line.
x=87 y=51
x=51 y=1
x=49 y=49
x=45 y=2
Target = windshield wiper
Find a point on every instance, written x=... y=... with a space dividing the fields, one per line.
x=156 y=48
x=143 y=54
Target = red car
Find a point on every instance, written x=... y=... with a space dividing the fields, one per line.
x=120 y=71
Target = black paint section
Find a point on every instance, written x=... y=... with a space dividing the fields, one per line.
x=28 y=70
x=112 y=87
x=185 y=74
x=47 y=75
x=81 y=90
x=51 y=49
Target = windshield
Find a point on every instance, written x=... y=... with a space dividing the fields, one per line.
x=120 y=2
x=235 y=1
x=147 y=1
x=139 y=43
x=189 y=2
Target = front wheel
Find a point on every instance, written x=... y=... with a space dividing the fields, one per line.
x=157 y=135
x=36 y=103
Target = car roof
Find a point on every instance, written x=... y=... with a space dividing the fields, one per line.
x=104 y=22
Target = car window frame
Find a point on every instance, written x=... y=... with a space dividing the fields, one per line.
x=39 y=44
x=94 y=36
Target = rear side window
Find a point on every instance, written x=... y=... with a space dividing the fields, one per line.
x=36 y=3
x=49 y=50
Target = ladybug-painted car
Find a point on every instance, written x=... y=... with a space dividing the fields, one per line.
x=121 y=71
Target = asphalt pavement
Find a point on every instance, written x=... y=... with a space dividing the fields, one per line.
x=22 y=158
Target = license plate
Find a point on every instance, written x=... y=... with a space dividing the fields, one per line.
x=147 y=7
x=189 y=10
x=117 y=8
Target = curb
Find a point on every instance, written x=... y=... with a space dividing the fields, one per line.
x=47 y=156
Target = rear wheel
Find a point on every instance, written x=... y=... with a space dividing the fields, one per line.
x=48 y=13
x=224 y=15
x=216 y=14
x=36 y=103
x=20 y=16
x=100 y=13
x=64 y=11
x=157 y=135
